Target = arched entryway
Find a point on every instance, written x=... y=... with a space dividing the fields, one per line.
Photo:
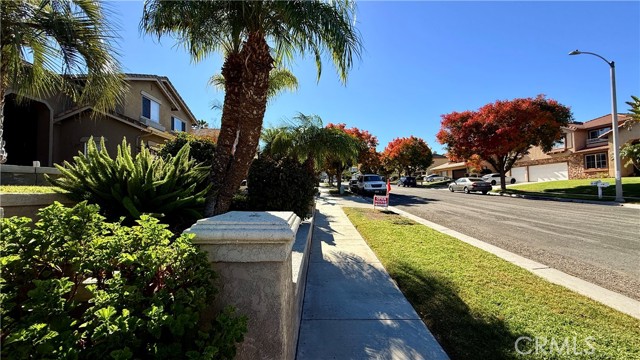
x=27 y=127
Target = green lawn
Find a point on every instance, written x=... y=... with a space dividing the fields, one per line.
x=580 y=189
x=478 y=305
x=12 y=189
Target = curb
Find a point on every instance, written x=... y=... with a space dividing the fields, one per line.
x=537 y=197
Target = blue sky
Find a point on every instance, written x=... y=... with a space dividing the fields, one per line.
x=425 y=59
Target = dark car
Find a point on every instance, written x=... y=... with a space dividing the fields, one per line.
x=409 y=181
x=470 y=184
x=353 y=185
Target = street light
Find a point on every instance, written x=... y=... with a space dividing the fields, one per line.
x=614 y=123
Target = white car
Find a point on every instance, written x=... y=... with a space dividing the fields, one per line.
x=435 y=177
x=371 y=184
x=494 y=179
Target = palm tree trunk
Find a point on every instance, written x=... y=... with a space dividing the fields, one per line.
x=3 y=153
x=241 y=123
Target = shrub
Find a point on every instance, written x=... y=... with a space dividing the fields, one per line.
x=202 y=148
x=166 y=188
x=240 y=202
x=631 y=151
x=74 y=286
x=281 y=185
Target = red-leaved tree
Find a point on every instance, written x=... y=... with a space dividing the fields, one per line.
x=408 y=154
x=335 y=166
x=502 y=132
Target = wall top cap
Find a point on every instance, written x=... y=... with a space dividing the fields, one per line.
x=246 y=227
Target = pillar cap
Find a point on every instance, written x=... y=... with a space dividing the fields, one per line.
x=247 y=236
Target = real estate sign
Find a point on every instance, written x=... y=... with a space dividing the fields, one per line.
x=382 y=201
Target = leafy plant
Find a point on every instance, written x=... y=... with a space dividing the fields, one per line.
x=631 y=151
x=281 y=185
x=169 y=188
x=202 y=148
x=634 y=110
x=75 y=286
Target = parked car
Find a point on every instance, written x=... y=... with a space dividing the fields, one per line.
x=494 y=179
x=435 y=177
x=371 y=184
x=407 y=181
x=353 y=185
x=470 y=184
x=400 y=181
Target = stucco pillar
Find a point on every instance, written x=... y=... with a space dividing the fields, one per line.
x=251 y=253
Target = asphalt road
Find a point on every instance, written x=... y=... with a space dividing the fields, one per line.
x=598 y=243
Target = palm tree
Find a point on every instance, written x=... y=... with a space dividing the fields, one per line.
x=311 y=143
x=242 y=31
x=280 y=80
x=38 y=38
x=201 y=124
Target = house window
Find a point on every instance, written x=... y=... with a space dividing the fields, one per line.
x=177 y=124
x=150 y=109
x=594 y=135
x=560 y=144
x=595 y=161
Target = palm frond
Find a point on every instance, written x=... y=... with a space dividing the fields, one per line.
x=61 y=46
x=280 y=80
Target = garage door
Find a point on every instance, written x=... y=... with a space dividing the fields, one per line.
x=549 y=172
x=457 y=174
x=519 y=173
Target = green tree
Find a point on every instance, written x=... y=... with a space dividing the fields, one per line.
x=201 y=124
x=634 y=111
x=40 y=37
x=311 y=143
x=632 y=152
x=242 y=31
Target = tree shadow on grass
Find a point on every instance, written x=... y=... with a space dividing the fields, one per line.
x=463 y=334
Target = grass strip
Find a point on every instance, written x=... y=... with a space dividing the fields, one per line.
x=28 y=189
x=478 y=305
x=579 y=189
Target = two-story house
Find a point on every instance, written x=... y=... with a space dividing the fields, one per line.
x=586 y=151
x=55 y=129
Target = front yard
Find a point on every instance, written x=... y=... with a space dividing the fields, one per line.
x=478 y=305
x=579 y=189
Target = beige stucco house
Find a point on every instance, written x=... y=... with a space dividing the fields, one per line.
x=55 y=129
x=586 y=151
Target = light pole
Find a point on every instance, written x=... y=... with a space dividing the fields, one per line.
x=614 y=123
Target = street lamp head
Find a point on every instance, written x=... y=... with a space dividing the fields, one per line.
x=575 y=52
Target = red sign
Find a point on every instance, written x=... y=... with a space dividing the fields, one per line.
x=380 y=201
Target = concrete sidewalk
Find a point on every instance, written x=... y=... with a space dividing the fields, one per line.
x=352 y=308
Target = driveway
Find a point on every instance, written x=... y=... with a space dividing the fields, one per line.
x=598 y=243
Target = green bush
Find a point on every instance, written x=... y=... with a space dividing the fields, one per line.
x=74 y=286
x=281 y=185
x=170 y=189
x=202 y=148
